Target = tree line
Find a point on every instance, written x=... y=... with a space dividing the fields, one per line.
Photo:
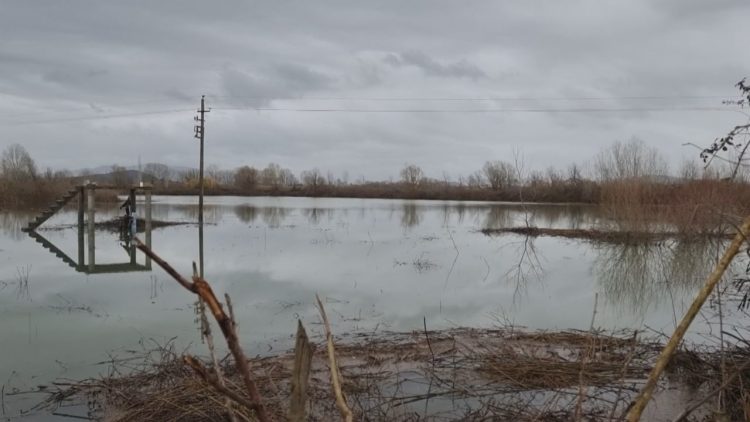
x=621 y=161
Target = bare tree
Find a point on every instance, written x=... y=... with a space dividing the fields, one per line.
x=287 y=178
x=574 y=173
x=475 y=180
x=499 y=174
x=313 y=178
x=689 y=170
x=157 y=172
x=271 y=175
x=412 y=174
x=17 y=164
x=245 y=177
x=631 y=160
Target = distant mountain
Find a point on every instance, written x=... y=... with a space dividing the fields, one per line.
x=127 y=177
x=103 y=174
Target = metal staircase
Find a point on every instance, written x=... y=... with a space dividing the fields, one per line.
x=49 y=212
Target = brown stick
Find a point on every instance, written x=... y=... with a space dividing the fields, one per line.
x=303 y=353
x=640 y=402
x=200 y=287
x=336 y=379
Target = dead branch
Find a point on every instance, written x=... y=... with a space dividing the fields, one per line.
x=200 y=287
x=336 y=379
x=208 y=336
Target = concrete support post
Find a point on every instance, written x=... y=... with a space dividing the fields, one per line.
x=134 y=220
x=81 y=222
x=147 y=211
x=91 y=226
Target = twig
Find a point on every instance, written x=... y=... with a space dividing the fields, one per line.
x=429 y=344
x=336 y=379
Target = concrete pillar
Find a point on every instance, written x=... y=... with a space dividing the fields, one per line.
x=81 y=222
x=134 y=221
x=147 y=211
x=91 y=226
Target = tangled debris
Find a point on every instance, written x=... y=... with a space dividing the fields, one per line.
x=434 y=375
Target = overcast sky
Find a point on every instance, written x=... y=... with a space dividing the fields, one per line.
x=91 y=83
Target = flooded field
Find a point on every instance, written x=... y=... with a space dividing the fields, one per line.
x=381 y=265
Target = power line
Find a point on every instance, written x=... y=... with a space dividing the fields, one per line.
x=382 y=110
x=487 y=110
x=488 y=98
x=97 y=117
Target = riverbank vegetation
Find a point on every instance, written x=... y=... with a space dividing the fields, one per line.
x=628 y=179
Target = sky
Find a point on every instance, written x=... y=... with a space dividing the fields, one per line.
x=361 y=88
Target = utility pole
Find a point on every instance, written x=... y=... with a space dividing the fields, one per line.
x=200 y=131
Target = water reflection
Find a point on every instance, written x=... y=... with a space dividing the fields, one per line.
x=314 y=215
x=273 y=217
x=12 y=222
x=91 y=266
x=640 y=276
x=246 y=213
x=410 y=215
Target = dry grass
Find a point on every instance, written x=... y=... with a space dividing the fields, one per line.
x=457 y=374
x=695 y=206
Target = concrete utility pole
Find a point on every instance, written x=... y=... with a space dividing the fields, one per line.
x=200 y=131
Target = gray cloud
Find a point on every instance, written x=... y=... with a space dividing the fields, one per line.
x=279 y=81
x=67 y=71
x=431 y=67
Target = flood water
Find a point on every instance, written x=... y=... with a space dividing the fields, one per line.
x=380 y=265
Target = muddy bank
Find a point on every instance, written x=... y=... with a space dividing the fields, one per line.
x=458 y=374
x=607 y=236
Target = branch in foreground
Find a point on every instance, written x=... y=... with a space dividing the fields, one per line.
x=200 y=287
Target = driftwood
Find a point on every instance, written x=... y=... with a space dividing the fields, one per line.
x=336 y=378
x=201 y=288
x=640 y=402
